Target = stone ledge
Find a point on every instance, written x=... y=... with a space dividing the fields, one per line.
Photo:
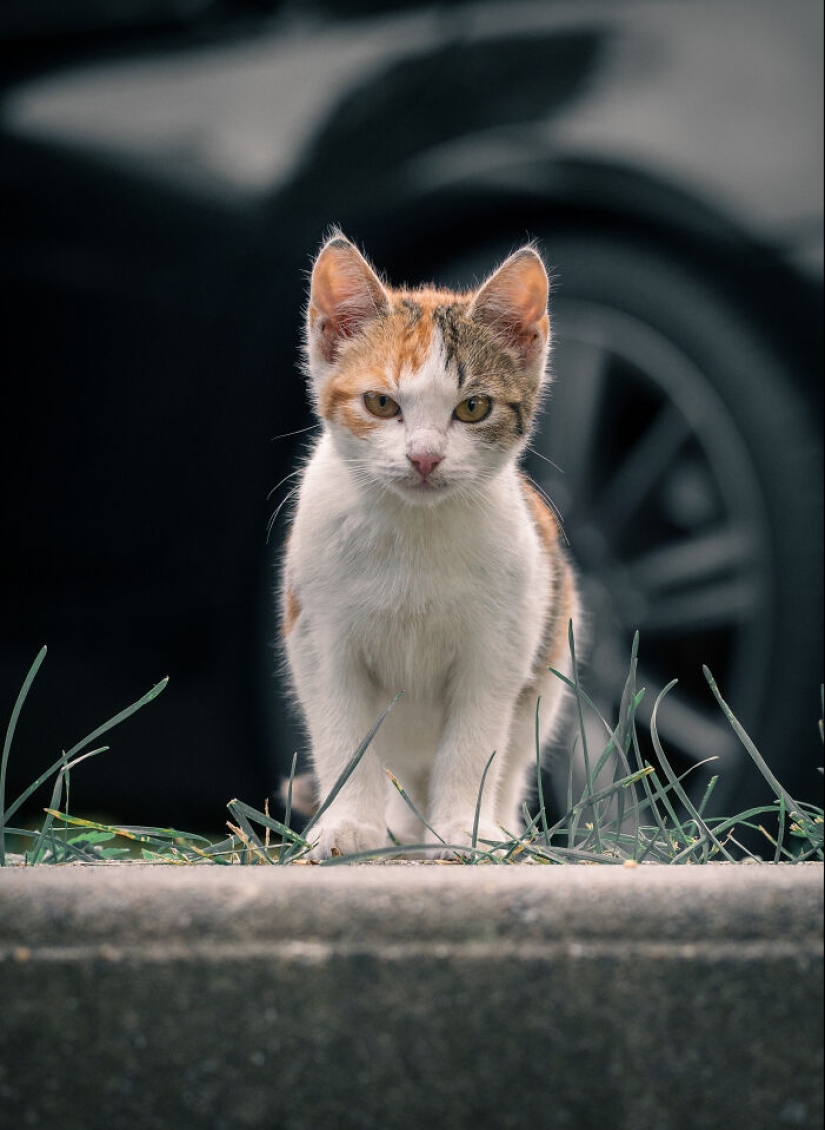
x=154 y=997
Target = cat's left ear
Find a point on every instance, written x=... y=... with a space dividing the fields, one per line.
x=513 y=303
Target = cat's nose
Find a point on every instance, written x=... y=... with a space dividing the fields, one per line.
x=424 y=462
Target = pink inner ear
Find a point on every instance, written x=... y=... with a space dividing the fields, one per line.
x=345 y=292
x=513 y=302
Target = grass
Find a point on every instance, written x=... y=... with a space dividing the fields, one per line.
x=645 y=813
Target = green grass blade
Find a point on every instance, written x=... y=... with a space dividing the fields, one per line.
x=816 y=850
x=45 y=831
x=571 y=831
x=410 y=803
x=61 y=781
x=167 y=838
x=745 y=851
x=518 y=842
x=780 y=830
x=539 y=781
x=589 y=781
x=673 y=779
x=792 y=806
x=476 y=817
x=575 y=854
x=288 y=810
x=584 y=696
x=628 y=707
x=650 y=799
x=644 y=805
x=5 y=815
x=703 y=803
x=604 y=793
x=677 y=831
x=121 y=716
x=56 y=766
x=238 y=808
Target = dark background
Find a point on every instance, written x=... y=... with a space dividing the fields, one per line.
x=167 y=171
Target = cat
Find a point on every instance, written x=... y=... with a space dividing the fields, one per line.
x=420 y=557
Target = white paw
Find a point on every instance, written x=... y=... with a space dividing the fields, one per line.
x=458 y=837
x=345 y=837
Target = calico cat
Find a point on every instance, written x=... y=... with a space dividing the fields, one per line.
x=420 y=558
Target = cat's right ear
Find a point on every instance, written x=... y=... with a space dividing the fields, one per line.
x=344 y=295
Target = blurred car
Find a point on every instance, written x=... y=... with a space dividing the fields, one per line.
x=167 y=169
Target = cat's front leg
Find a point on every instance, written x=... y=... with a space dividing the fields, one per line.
x=476 y=728
x=340 y=710
x=356 y=819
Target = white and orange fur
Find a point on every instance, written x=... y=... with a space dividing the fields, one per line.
x=420 y=557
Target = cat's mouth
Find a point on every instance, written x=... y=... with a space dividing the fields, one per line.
x=422 y=488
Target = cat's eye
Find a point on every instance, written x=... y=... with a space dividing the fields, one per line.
x=381 y=405
x=474 y=409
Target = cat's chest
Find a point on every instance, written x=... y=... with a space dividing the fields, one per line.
x=412 y=601
x=395 y=569
x=407 y=596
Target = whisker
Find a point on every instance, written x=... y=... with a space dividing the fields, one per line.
x=552 y=506
x=297 y=432
x=278 y=510
x=291 y=475
x=539 y=455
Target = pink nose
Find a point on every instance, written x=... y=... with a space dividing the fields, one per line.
x=424 y=463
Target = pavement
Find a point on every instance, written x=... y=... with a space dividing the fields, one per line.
x=404 y=997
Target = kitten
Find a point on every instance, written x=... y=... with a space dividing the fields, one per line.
x=420 y=557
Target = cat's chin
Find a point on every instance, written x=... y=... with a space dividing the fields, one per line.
x=423 y=493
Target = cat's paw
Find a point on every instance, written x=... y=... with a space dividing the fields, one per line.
x=345 y=837
x=457 y=837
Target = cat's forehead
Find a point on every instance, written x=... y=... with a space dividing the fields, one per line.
x=430 y=331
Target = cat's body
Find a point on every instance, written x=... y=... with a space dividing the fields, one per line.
x=420 y=558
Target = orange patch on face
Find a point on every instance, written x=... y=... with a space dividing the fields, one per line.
x=292 y=610
x=396 y=343
x=340 y=401
x=409 y=331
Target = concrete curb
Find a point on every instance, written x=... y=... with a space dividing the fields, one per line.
x=408 y=997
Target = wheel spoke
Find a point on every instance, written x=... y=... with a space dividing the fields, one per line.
x=642 y=469
x=693 y=561
x=715 y=605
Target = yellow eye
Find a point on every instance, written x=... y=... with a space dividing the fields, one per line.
x=474 y=409
x=381 y=405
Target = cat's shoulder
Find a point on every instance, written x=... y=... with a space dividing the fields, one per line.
x=542 y=515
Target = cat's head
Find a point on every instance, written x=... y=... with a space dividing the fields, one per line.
x=426 y=392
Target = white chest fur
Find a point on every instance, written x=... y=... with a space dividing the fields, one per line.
x=413 y=593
